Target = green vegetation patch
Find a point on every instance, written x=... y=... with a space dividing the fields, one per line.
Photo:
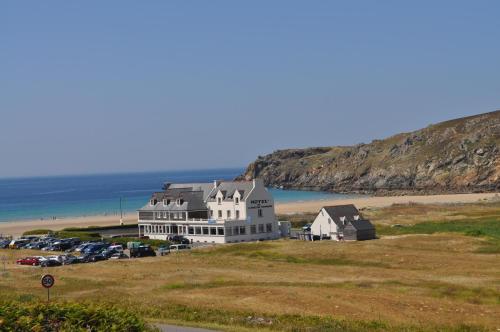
x=488 y=228
x=99 y=228
x=38 y=232
x=15 y=316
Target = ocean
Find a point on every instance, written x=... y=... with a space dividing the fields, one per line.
x=85 y=195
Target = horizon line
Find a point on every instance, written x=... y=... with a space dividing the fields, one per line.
x=14 y=177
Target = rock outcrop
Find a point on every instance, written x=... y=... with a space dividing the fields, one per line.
x=455 y=156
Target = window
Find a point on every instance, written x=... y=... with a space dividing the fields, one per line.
x=158 y=215
x=205 y=230
x=261 y=228
x=228 y=212
x=253 y=229
x=220 y=230
x=237 y=214
x=164 y=215
x=236 y=230
x=260 y=213
x=197 y=230
x=191 y=230
x=219 y=200
x=211 y=213
x=236 y=200
x=269 y=228
x=220 y=214
x=213 y=231
x=243 y=230
x=229 y=231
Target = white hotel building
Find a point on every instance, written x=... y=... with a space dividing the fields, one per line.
x=219 y=212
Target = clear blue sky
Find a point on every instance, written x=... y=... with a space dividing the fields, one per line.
x=113 y=86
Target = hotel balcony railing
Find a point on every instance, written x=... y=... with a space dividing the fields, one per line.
x=191 y=220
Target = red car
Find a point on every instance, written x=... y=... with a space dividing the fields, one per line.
x=28 y=261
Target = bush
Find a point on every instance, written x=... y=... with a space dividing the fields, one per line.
x=99 y=228
x=38 y=232
x=64 y=317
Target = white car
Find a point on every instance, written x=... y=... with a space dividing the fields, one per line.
x=117 y=247
x=55 y=258
x=41 y=258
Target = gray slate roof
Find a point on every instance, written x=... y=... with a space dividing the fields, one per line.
x=336 y=212
x=361 y=225
x=195 y=195
x=228 y=189
x=206 y=188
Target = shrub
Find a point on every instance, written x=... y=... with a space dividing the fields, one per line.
x=62 y=317
x=38 y=232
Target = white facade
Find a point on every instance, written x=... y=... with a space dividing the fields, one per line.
x=236 y=212
x=331 y=220
x=324 y=226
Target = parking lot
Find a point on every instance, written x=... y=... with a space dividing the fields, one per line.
x=50 y=251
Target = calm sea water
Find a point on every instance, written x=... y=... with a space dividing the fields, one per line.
x=64 y=196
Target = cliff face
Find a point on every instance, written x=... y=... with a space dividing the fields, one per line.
x=460 y=155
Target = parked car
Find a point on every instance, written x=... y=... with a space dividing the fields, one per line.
x=28 y=261
x=17 y=244
x=117 y=247
x=85 y=258
x=177 y=247
x=4 y=244
x=97 y=257
x=50 y=263
x=82 y=246
x=179 y=239
x=119 y=256
x=163 y=250
x=142 y=251
x=68 y=259
x=94 y=248
x=108 y=253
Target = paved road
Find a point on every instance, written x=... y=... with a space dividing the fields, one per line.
x=173 y=328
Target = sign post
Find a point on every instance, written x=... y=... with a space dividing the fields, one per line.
x=47 y=282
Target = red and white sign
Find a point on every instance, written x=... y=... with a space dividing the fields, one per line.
x=48 y=281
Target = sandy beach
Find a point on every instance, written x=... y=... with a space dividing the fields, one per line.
x=315 y=206
x=16 y=228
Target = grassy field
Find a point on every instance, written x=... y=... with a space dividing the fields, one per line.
x=432 y=272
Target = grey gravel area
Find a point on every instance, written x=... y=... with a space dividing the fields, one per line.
x=174 y=328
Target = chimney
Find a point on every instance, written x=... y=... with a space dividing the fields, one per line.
x=257 y=182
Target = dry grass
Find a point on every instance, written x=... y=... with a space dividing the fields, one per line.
x=415 y=282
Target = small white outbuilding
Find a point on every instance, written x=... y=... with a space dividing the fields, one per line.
x=331 y=221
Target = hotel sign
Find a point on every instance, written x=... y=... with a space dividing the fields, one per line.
x=260 y=203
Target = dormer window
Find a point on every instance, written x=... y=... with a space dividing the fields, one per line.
x=165 y=202
x=219 y=200
x=151 y=202
x=236 y=200
x=180 y=201
x=342 y=219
